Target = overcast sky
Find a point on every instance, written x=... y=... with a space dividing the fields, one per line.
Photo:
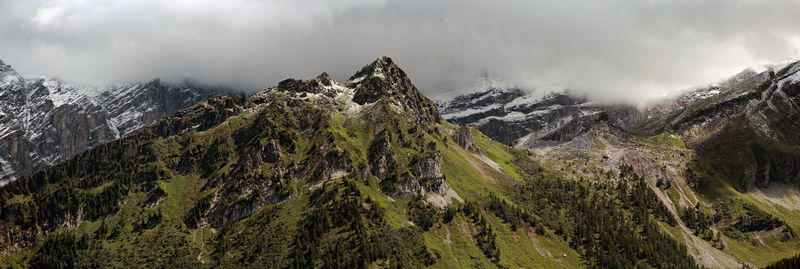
x=623 y=50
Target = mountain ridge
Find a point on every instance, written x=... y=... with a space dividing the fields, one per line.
x=46 y=120
x=301 y=175
x=516 y=117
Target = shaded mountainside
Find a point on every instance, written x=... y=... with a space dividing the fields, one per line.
x=46 y=120
x=317 y=173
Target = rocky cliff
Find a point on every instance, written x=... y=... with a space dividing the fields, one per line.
x=46 y=120
x=757 y=120
x=530 y=120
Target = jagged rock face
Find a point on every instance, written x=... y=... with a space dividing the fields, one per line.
x=463 y=137
x=429 y=167
x=381 y=157
x=46 y=120
x=758 y=118
x=770 y=166
x=273 y=152
x=384 y=79
x=775 y=117
x=307 y=107
x=425 y=176
x=517 y=118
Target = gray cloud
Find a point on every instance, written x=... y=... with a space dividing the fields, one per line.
x=616 y=50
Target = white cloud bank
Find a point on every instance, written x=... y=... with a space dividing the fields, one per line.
x=616 y=50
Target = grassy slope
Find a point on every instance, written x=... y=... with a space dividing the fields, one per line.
x=720 y=166
x=720 y=169
x=473 y=180
x=171 y=239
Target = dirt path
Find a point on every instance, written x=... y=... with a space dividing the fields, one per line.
x=535 y=240
x=202 y=244
x=449 y=242
x=477 y=164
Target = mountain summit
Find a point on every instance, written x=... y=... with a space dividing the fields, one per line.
x=383 y=79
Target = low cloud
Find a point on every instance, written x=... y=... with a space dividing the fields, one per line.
x=624 y=50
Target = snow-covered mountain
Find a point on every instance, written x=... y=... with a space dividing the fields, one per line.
x=515 y=117
x=528 y=120
x=45 y=120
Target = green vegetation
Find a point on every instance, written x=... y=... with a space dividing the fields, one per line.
x=697 y=219
x=788 y=263
x=608 y=214
x=663 y=139
x=221 y=189
x=297 y=180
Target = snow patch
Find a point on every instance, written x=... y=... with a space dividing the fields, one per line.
x=357 y=80
x=10 y=79
x=6 y=172
x=344 y=96
x=791 y=79
x=469 y=111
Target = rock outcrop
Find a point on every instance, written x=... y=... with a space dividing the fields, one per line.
x=425 y=176
x=463 y=137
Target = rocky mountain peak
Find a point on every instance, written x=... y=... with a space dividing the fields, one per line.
x=153 y=83
x=383 y=68
x=325 y=79
x=380 y=80
x=4 y=68
x=383 y=79
x=316 y=85
x=11 y=85
x=789 y=73
x=297 y=85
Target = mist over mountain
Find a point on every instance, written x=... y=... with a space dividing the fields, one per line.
x=45 y=120
x=629 y=51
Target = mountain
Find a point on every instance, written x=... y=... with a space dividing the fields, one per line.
x=725 y=167
x=367 y=173
x=529 y=120
x=728 y=150
x=46 y=120
x=757 y=120
x=318 y=173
